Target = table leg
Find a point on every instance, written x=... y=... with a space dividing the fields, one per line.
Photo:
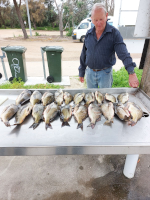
x=130 y=165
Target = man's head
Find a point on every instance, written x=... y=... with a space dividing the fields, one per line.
x=99 y=17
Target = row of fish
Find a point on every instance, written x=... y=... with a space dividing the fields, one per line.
x=49 y=109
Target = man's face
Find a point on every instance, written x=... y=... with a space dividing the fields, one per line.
x=99 y=18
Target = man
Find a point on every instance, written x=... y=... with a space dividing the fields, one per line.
x=98 y=53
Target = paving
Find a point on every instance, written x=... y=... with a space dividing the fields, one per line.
x=71 y=177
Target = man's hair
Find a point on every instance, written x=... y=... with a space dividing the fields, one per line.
x=98 y=6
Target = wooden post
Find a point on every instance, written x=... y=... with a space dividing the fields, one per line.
x=145 y=81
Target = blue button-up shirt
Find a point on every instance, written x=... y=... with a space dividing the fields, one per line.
x=99 y=54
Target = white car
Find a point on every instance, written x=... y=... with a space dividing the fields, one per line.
x=80 y=31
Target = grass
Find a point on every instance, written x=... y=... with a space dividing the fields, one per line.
x=47 y=28
x=37 y=34
x=20 y=85
x=121 y=77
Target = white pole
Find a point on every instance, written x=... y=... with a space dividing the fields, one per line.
x=130 y=165
x=29 y=22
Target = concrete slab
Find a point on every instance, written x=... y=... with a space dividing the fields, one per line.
x=41 y=80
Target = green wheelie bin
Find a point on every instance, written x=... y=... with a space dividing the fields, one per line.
x=54 y=62
x=16 y=59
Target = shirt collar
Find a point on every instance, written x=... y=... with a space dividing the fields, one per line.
x=108 y=28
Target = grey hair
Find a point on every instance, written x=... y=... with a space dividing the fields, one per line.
x=98 y=6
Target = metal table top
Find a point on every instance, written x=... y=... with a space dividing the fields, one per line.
x=116 y=139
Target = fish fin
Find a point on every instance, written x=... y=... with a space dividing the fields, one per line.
x=145 y=114
x=48 y=126
x=131 y=122
x=34 y=125
x=65 y=124
x=99 y=119
x=91 y=125
x=108 y=123
x=7 y=123
x=80 y=126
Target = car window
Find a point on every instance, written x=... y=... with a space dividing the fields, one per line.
x=84 y=25
x=92 y=25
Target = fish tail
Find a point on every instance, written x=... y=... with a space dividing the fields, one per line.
x=91 y=125
x=80 y=126
x=7 y=123
x=65 y=124
x=34 y=125
x=48 y=126
x=108 y=123
x=131 y=122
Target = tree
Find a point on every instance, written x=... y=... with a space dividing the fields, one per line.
x=4 y=12
x=60 y=14
x=37 y=10
x=20 y=18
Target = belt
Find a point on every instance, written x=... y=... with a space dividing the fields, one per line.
x=97 y=70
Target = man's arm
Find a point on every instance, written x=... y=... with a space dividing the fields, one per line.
x=122 y=53
x=82 y=66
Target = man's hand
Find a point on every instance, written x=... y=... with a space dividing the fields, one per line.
x=81 y=79
x=133 y=81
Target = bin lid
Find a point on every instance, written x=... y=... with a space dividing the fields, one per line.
x=20 y=49
x=53 y=48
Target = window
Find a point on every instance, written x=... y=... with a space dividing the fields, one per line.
x=84 y=26
x=92 y=25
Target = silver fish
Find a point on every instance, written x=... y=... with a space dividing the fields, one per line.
x=89 y=98
x=108 y=112
x=78 y=98
x=135 y=112
x=50 y=114
x=47 y=98
x=110 y=97
x=23 y=97
x=8 y=113
x=122 y=112
x=35 y=97
x=95 y=113
x=37 y=113
x=99 y=97
x=65 y=115
x=123 y=98
x=67 y=97
x=22 y=113
x=80 y=113
x=59 y=97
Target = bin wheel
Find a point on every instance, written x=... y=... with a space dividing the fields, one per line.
x=0 y=75
x=50 y=79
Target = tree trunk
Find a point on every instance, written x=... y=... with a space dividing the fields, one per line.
x=60 y=13
x=20 y=19
x=145 y=81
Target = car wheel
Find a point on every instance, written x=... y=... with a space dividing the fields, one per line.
x=82 y=38
x=50 y=79
x=0 y=75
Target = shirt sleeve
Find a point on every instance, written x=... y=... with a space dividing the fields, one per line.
x=82 y=66
x=122 y=52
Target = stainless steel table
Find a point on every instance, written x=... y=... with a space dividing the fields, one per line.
x=117 y=139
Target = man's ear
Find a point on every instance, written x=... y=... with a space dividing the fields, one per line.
x=106 y=15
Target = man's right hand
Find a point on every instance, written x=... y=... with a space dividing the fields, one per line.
x=81 y=79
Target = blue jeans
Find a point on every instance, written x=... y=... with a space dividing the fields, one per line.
x=103 y=78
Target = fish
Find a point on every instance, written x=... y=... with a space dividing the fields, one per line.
x=135 y=112
x=23 y=97
x=108 y=112
x=59 y=97
x=123 y=98
x=99 y=97
x=22 y=113
x=110 y=97
x=8 y=113
x=122 y=112
x=35 y=97
x=89 y=98
x=80 y=113
x=37 y=113
x=47 y=98
x=78 y=98
x=94 y=113
x=68 y=97
x=65 y=115
x=50 y=113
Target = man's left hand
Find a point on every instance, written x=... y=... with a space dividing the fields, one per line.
x=133 y=80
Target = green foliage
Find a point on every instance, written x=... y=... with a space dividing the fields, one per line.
x=37 y=34
x=69 y=32
x=121 y=77
x=19 y=84
x=47 y=28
